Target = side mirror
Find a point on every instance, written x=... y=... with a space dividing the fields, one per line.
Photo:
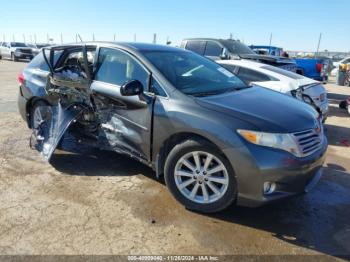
x=131 y=88
x=225 y=54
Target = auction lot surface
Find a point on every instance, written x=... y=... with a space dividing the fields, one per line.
x=104 y=203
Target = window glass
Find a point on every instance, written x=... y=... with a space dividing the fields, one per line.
x=249 y=76
x=236 y=47
x=196 y=46
x=39 y=62
x=230 y=68
x=193 y=74
x=157 y=89
x=17 y=44
x=213 y=49
x=117 y=67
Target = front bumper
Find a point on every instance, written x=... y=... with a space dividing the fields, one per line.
x=20 y=55
x=258 y=165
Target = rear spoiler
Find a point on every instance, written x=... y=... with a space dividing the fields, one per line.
x=50 y=60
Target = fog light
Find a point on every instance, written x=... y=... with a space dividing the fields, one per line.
x=269 y=188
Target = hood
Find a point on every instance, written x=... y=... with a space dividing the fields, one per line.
x=26 y=48
x=287 y=86
x=268 y=110
x=268 y=58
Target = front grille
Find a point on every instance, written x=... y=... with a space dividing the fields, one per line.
x=26 y=51
x=310 y=141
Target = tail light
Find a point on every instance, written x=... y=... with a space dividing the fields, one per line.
x=319 y=67
x=21 y=78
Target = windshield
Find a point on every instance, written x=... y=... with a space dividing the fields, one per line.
x=16 y=44
x=236 y=47
x=193 y=74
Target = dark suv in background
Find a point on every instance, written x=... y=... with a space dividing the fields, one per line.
x=215 y=139
x=225 y=49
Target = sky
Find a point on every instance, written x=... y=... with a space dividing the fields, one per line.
x=294 y=24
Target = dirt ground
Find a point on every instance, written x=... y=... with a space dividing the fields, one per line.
x=103 y=203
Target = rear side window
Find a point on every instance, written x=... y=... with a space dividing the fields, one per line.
x=196 y=46
x=40 y=63
x=117 y=67
x=249 y=75
x=213 y=49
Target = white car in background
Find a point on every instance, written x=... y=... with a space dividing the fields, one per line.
x=277 y=79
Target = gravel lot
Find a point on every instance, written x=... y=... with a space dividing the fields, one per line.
x=103 y=203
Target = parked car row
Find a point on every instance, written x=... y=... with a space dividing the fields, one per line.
x=216 y=139
x=16 y=50
x=272 y=72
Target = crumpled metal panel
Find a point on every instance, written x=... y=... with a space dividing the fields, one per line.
x=46 y=137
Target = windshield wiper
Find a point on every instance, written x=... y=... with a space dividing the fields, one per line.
x=205 y=94
x=212 y=93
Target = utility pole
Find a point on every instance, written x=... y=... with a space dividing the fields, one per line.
x=231 y=36
x=61 y=38
x=135 y=37
x=114 y=37
x=35 y=38
x=270 y=43
x=76 y=38
x=47 y=38
x=13 y=38
x=93 y=37
x=154 y=38
x=24 y=38
x=4 y=38
x=319 y=43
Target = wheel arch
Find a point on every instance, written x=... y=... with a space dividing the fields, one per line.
x=30 y=103
x=172 y=141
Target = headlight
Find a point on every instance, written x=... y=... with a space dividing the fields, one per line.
x=285 y=142
x=307 y=99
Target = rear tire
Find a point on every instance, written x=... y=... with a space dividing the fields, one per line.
x=191 y=179
x=34 y=113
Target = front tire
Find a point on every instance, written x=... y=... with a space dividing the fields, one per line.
x=200 y=177
x=13 y=57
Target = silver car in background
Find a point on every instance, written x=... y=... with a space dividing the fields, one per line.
x=15 y=51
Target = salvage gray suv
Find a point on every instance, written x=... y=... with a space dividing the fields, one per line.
x=216 y=140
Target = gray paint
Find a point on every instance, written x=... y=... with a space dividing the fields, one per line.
x=140 y=125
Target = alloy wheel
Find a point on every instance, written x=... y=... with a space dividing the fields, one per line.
x=201 y=177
